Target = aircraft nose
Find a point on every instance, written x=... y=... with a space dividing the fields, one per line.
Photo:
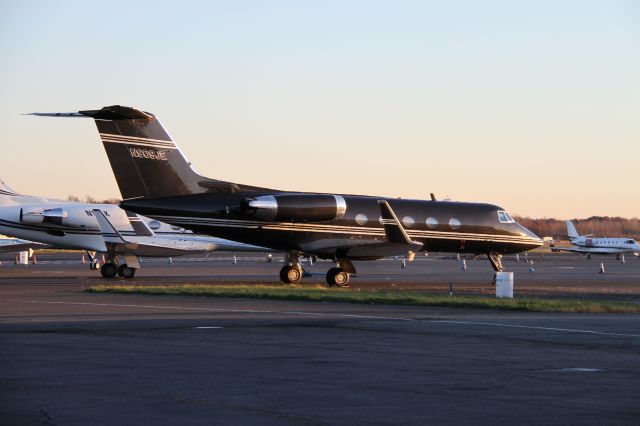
x=531 y=235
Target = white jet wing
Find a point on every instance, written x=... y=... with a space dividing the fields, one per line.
x=14 y=245
x=145 y=243
x=592 y=250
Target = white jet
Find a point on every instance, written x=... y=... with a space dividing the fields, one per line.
x=100 y=228
x=589 y=245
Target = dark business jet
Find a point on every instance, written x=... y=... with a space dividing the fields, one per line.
x=157 y=181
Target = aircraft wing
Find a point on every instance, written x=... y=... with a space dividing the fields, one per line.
x=145 y=243
x=592 y=250
x=397 y=241
x=14 y=245
x=218 y=243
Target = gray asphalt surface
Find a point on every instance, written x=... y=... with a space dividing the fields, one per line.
x=553 y=274
x=70 y=357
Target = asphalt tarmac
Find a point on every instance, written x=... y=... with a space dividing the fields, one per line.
x=69 y=357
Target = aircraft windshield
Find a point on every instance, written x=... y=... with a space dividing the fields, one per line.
x=504 y=217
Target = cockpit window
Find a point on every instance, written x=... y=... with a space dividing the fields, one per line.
x=630 y=242
x=504 y=217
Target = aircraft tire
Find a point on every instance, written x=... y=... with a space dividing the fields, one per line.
x=294 y=274
x=283 y=274
x=337 y=277
x=109 y=270
x=291 y=274
x=126 y=272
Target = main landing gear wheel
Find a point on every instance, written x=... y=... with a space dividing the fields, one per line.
x=126 y=272
x=291 y=274
x=109 y=270
x=337 y=277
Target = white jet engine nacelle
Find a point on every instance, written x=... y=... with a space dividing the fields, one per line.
x=76 y=217
x=70 y=216
x=37 y=216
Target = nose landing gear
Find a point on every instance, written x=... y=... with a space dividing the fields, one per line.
x=496 y=261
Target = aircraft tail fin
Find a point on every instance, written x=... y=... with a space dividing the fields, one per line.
x=5 y=189
x=145 y=160
x=571 y=230
x=6 y=193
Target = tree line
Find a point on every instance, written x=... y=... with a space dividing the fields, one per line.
x=90 y=199
x=599 y=226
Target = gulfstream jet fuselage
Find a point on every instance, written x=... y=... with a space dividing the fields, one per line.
x=156 y=180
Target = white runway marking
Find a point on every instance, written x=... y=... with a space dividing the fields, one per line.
x=579 y=370
x=534 y=327
x=207 y=327
x=248 y=311
x=336 y=315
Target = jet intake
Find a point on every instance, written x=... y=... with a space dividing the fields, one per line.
x=297 y=207
x=55 y=216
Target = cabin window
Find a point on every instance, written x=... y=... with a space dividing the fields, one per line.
x=154 y=224
x=361 y=219
x=408 y=221
x=505 y=217
x=454 y=223
x=432 y=222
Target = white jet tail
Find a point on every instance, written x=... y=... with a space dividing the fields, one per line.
x=571 y=230
x=6 y=193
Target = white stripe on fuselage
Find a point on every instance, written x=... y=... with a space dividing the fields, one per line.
x=136 y=139
x=152 y=143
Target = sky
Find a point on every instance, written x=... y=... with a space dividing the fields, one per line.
x=529 y=105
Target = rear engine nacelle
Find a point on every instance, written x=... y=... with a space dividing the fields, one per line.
x=70 y=216
x=55 y=216
x=296 y=207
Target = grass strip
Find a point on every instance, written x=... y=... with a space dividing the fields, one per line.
x=378 y=297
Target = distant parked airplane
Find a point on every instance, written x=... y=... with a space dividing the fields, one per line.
x=589 y=245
